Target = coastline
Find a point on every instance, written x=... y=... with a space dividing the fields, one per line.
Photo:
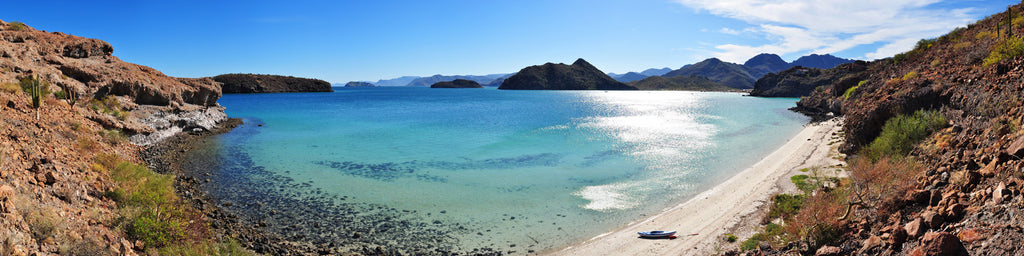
x=734 y=206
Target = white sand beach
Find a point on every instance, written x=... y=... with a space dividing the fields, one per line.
x=702 y=220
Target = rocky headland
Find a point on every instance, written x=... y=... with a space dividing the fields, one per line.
x=253 y=83
x=801 y=81
x=581 y=75
x=457 y=83
x=75 y=118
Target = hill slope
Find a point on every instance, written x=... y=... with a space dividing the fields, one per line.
x=954 y=188
x=252 y=83
x=550 y=76
x=729 y=74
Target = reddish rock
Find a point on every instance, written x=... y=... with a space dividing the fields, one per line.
x=873 y=242
x=932 y=219
x=1000 y=193
x=919 y=196
x=898 y=235
x=942 y=244
x=1016 y=148
x=915 y=228
x=6 y=199
x=828 y=251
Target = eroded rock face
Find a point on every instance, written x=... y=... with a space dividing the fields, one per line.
x=87 y=69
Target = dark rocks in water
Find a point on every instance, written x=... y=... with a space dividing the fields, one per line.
x=253 y=83
x=802 y=81
x=358 y=84
x=550 y=76
x=457 y=83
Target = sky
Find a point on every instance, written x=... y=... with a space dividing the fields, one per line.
x=359 y=40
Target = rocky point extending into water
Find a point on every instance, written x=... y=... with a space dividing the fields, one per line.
x=457 y=83
x=253 y=83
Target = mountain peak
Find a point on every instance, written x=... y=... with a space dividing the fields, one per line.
x=582 y=63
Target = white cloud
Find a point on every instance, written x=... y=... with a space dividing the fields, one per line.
x=828 y=26
x=729 y=31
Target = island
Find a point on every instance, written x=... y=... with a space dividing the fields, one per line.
x=255 y=83
x=457 y=83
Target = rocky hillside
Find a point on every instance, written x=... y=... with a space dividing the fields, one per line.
x=801 y=81
x=744 y=76
x=70 y=182
x=550 y=76
x=252 y=83
x=457 y=83
x=938 y=145
x=679 y=83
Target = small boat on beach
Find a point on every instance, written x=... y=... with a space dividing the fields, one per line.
x=656 y=234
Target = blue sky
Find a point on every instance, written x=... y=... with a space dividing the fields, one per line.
x=342 y=41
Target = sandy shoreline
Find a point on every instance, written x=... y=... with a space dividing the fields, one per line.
x=702 y=220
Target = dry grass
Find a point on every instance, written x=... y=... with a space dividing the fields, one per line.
x=879 y=184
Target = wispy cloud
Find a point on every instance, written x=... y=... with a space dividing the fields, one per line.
x=729 y=31
x=828 y=26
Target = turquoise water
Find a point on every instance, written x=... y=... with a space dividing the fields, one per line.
x=533 y=169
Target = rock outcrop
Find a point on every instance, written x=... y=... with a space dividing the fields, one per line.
x=358 y=84
x=550 y=76
x=86 y=69
x=457 y=83
x=801 y=81
x=252 y=83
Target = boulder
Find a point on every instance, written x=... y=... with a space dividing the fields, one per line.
x=1016 y=148
x=933 y=219
x=915 y=228
x=1000 y=194
x=942 y=243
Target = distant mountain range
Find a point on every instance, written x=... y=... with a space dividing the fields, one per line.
x=743 y=76
x=720 y=75
x=633 y=76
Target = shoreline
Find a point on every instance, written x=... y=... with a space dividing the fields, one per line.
x=733 y=206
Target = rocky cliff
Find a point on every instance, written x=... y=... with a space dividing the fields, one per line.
x=801 y=81
x=550 y=76
x=69 y=109
x=252 y=83
x=457 y=83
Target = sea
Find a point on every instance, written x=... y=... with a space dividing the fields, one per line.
x=463 y=169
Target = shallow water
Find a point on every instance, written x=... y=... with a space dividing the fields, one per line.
x=511 y=170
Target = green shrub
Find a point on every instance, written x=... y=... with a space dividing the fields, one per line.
x=901 y=133
x=801 y=183
x=909 y=75
x=10 y=88
x=849 y=91
x=785 y=206
x=17 y=26
x=730 y=238
x=108 y=105
x=113 y=136
x=1011 y=47
x=151 y=210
